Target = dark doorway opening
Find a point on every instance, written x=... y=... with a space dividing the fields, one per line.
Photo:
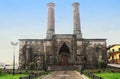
x=64 y=54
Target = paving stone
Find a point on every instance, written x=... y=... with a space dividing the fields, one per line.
x=63 y=75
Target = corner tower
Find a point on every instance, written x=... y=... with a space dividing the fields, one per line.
x=76 y=18
x=51 y=20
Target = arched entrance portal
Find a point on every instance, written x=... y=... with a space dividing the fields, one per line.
x=64 y=54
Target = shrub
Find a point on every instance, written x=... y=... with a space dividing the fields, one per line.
x=101 y=64
x=31 y=65
x=0 y=71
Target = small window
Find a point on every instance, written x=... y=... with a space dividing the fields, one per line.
x=118 y=49
x=113 y=50
x=112 y=57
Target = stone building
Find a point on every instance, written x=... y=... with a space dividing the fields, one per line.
x=62 y=49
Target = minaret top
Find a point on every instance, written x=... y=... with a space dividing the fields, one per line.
x=50 y=4
x=75 y=4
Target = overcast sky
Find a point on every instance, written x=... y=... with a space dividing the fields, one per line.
x=28 y=19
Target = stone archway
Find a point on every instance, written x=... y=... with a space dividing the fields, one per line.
x=64 y=54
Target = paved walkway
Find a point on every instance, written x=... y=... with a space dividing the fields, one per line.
x=114 y=65
x=65 y=75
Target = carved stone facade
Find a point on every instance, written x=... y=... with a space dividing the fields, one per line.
x=62 y=49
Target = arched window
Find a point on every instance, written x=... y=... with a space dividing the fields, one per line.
x=112 y=57
x=113 y=50
x=119 y=56
x=118 y=49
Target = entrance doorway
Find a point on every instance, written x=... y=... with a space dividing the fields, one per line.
x=64 y=61
x=64 y=54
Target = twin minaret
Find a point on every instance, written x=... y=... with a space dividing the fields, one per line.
x=51 y=20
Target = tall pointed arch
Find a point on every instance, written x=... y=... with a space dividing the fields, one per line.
x=64 y=48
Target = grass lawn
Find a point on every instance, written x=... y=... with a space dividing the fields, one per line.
x=10 y=76
x=109 y=75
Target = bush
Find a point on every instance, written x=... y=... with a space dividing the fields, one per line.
x=101 y=64
x=31 y=65
x=0 y=71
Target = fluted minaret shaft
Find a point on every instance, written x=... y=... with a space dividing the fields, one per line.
x=51 y=20
x=76 y=18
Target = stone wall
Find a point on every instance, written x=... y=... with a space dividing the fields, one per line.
x=79 y=53
x=85 y=52
x=29 y=50
x=95 y=51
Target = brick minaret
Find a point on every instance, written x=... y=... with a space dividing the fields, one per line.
x=51 y=20
x=76 y=18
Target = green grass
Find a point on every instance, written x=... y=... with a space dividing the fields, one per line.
x=10 y=76
x=106 y=75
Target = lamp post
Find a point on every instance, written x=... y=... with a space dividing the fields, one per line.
x=14 y=44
